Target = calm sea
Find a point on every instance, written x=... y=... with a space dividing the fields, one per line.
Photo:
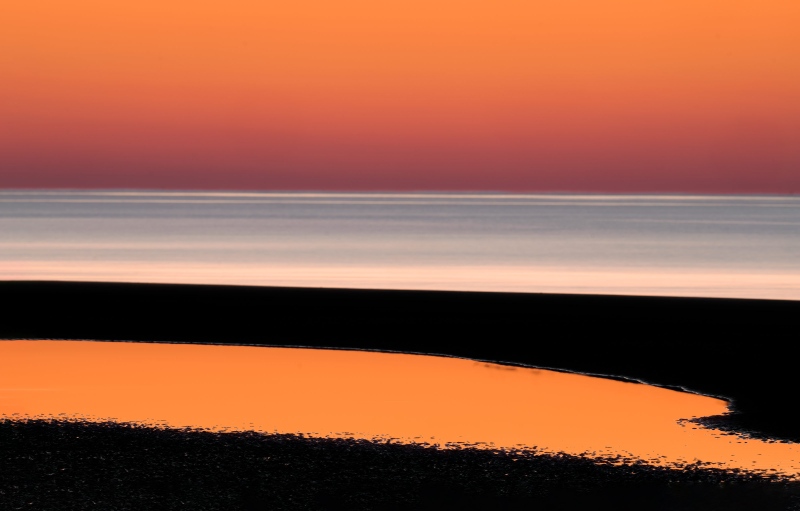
x=679 y=245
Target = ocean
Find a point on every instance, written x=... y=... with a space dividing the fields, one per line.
x=668 y=245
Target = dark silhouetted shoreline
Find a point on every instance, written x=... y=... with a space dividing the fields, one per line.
x=733 y=348
x=739 y=349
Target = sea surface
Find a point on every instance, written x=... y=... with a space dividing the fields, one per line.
x=672 y=245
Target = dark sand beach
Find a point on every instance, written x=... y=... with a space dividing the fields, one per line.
x=730 y=348
x=59 y=466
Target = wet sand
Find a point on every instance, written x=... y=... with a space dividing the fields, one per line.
x=682 y=342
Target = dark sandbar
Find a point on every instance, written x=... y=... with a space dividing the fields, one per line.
x=692 y=343
x=742 y=350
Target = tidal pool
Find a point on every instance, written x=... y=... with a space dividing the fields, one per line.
x=448 y=402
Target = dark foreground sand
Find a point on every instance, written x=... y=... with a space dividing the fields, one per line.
x=741 y=349
x=64 y=466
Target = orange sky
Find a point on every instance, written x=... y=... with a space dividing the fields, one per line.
x=618 y=95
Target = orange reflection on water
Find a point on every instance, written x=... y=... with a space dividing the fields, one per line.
x=412 y=398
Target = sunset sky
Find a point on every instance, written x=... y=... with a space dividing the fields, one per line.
x=529 y=95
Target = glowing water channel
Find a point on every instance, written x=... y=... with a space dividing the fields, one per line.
x=408 y=398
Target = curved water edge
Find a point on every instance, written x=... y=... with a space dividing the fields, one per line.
x=706 y=345
x=446 y=402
